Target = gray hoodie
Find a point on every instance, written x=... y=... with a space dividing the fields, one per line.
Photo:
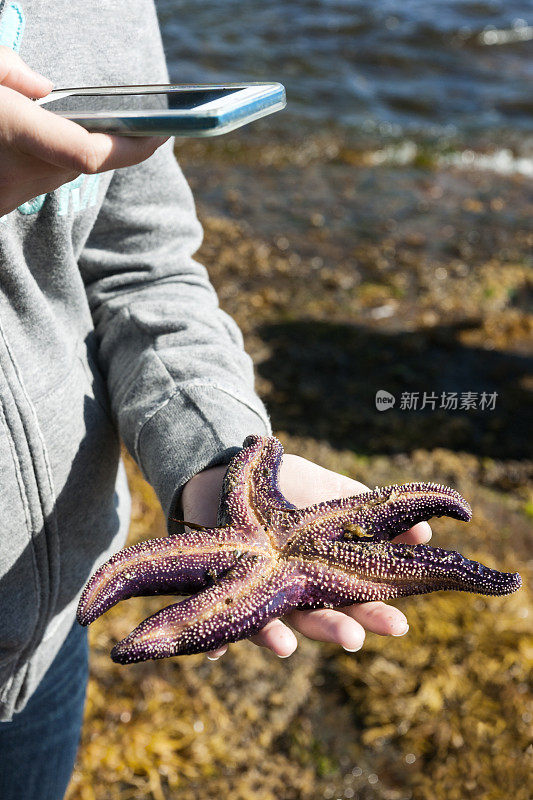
x=108 y=329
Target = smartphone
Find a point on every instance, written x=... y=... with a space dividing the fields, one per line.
x=166 y=109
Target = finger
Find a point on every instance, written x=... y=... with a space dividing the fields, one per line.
x=276 y=637
x=328 y=625
x=378 y=617
x=40 y=133
x=29 y=168
x=17 y=75
x=214 y=655
x=418 y=534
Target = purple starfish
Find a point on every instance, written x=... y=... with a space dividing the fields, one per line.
x=267 y=557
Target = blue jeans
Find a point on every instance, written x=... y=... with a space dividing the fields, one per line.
x=38 y=747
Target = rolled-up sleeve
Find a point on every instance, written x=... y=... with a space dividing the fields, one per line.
x=180 y=383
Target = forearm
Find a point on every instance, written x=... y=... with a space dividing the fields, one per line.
x=180 y=383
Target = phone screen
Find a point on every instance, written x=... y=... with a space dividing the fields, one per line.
x=158 y=101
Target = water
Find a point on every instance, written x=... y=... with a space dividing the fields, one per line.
x=461 y=69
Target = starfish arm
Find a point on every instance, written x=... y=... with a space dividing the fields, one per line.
x=250 y=491
x=173 y=565
x=340 y=573
x=377 y=515
x=253 y=592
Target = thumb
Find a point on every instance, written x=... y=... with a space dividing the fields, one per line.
x=15 y=74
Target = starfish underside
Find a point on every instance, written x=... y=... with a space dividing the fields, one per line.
x=266 y=557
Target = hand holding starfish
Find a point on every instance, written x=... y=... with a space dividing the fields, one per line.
x=266 y=558
x=304 y=483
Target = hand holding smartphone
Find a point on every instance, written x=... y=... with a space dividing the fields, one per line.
x=166 y=109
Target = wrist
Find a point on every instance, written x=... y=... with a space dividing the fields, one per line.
x=200 y=496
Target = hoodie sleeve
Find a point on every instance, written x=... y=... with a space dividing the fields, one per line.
x=179 y=380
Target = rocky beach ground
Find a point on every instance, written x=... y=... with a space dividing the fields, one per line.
x=348 y=273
